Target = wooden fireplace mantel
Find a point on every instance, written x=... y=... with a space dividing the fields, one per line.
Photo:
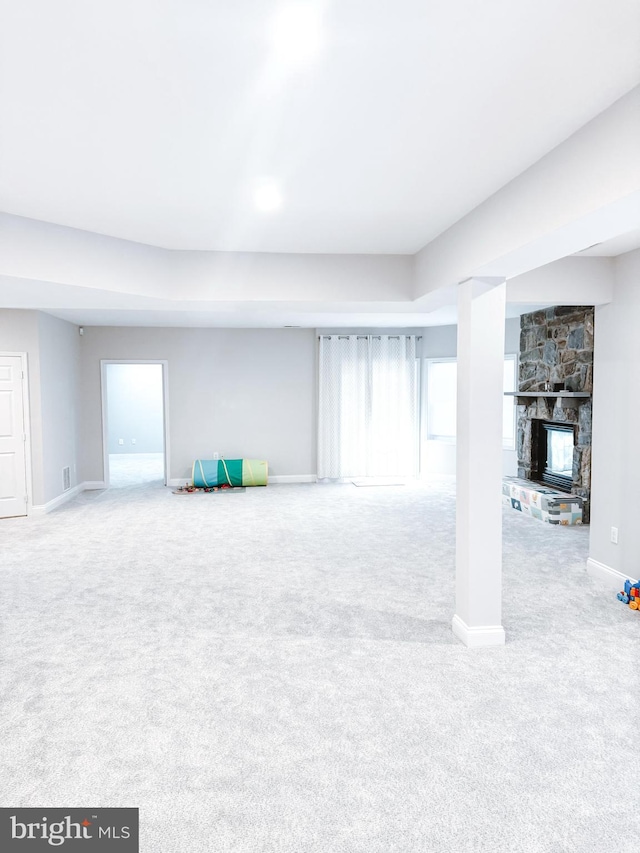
x=567 y=399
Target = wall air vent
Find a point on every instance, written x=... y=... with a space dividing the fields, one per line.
x=66 y=479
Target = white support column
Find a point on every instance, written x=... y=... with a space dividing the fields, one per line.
x=481 y=318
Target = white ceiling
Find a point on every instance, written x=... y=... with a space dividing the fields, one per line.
x=152 y=120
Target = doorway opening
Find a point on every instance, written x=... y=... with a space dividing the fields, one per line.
x=134 y=427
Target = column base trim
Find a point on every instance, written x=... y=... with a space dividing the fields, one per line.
x=476 y=637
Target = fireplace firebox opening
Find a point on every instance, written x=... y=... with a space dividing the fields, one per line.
x=553 y=454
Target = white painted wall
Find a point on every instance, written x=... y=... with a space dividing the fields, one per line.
x=52 y=348
x=59 y=385
x=442 y=341
x=615 y=491
x=243 y=392
x=439 y=457
x=135 y=408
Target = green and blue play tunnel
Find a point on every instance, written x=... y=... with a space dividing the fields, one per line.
x=208 y=473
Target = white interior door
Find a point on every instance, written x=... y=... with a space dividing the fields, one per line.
x=13 y=471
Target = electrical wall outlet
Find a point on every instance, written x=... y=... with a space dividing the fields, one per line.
x=121 y=441
x=133 y=441
x=614 y=535
x=216 y=455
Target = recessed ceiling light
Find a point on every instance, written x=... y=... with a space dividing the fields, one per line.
x=296 y=33
x=267 y=196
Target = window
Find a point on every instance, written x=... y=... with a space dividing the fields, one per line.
x=441 y=399
x=442 y=377
x=508 y=407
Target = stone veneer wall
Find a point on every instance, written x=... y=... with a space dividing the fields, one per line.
x=556 y=346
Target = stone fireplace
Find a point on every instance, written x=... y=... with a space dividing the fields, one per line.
x=555 y=385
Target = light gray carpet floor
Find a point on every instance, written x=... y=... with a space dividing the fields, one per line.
x=133 y=469
x=275 y=671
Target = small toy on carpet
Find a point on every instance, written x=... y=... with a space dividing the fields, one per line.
x=631 y=594
x=190 y=489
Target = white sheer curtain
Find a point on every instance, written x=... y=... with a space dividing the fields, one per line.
x=368 y=412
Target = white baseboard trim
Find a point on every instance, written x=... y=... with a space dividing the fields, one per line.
x=278 y=478
x=292 y=478
x=43 y=509
x=612 y=577
x=476 y=637
x=88 y=485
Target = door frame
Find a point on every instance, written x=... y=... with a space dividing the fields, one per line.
x=26 y=418
x=165 y=409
